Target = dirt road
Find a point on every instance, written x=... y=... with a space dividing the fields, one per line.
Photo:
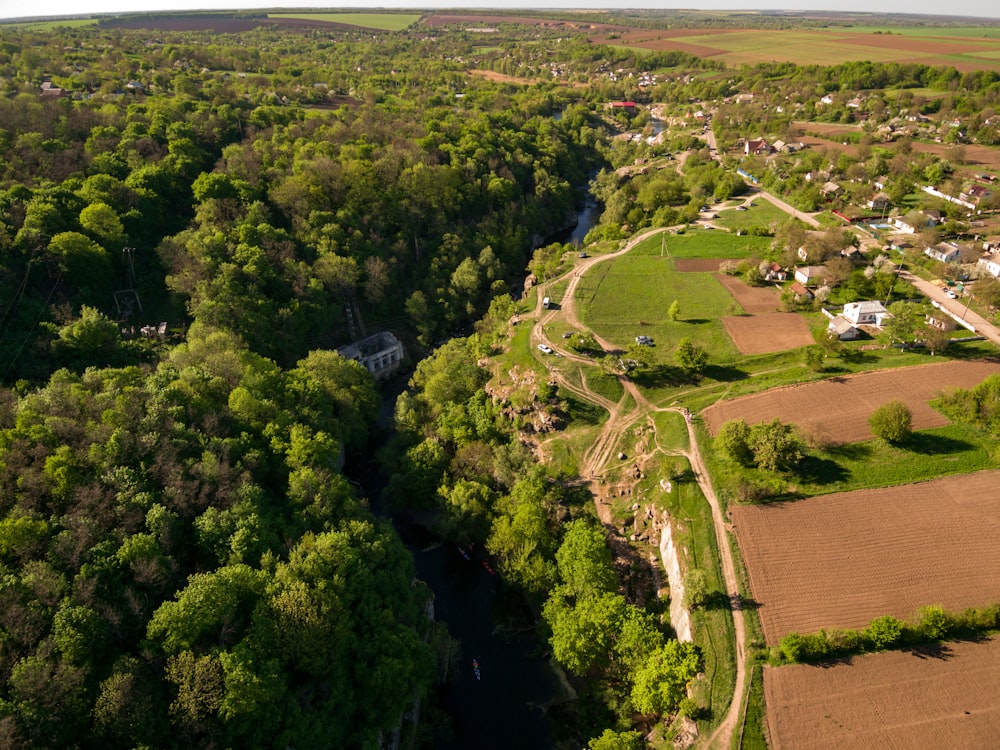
x=598 y=457
x=957 y=307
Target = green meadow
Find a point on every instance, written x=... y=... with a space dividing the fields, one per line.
x=380 y=21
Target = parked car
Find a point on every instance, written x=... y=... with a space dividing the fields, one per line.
x=644 y=340
x=545 y=349
x=951 y=294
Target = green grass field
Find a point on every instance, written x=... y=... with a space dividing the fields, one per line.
x=763 y=213
x=73 y=23
x=380 y=21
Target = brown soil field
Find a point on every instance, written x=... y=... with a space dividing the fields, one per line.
x=768 y=332
x=492 y=75
x=836 y=410
x=703 y=265
x=975 y=155
x=840 y=560
x=919 y=46
x=753 y=299
x=918 y=700
x=223 y=24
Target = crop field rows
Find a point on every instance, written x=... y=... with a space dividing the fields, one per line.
x=837 y=410
x=840 y=560
x=945 y=697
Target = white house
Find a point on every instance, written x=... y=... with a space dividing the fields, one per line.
x=842 y=328
x=380 y=353
x=809 y=274
x=869 y=312
x=946 y=252
x=991 y=264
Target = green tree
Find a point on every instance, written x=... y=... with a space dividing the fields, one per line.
x=775 y=446
x=661 y=682
x=584 y=560
x=884 y=632
x=690 y=357
x=891 y=422
x=674 y=310
x=900 y=328
x=612 y=740
x=734 y=442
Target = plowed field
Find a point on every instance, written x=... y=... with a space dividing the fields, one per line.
x=768 y=332
x=753 y=299
x=837 y=410
x=917 y=701
x=840 y=560
x=700 y=265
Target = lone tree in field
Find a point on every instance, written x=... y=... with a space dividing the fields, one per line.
x=892 y=422
x=690 y=357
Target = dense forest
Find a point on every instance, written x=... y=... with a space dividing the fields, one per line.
x=184 y=561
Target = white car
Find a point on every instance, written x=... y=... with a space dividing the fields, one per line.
x=951 y=294
x=545 y=349
x=644 y=340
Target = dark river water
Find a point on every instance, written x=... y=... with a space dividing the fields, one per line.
x=500 y=710
x=492 y=625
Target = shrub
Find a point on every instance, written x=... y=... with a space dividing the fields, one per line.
x=892 y=422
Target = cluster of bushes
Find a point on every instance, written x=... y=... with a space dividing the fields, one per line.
x=932 y=623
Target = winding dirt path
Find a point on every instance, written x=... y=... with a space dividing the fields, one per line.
x=599 y=455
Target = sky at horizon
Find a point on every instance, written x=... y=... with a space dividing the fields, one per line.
x=20 y=9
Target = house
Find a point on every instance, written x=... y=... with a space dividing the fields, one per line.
x=991 y=264
x=913 y=222
x=853 y=254
x=381 y=354
x=830 y=188
x=775 y=272
x=946 y=252
x=880 y=202
x=842 y=328
x=869 y=312
x=810 y=274
x=779 y=146
x=627 y=106
x=50 y=89
x=800 y=292
x=756 y=147
x=976 y=193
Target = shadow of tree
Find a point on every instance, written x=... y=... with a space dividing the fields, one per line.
x=930 y=445
x=820 y=470
x=724 y=374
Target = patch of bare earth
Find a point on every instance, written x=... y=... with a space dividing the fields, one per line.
x=700 y=265
x=768 y=332
x=753 y=299
x=840 y=560
x=837 y=410
x=943 y=698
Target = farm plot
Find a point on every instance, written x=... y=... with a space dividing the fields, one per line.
x=701 y=265
x=837 y=410
x=753 y=299
x=840 y=560
x=768 y=332
x=915 y=700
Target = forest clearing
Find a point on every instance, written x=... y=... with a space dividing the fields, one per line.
x=836 y=410
x=942 y=696
x=840 y=560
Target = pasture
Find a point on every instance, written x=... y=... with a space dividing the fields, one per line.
x=836 y=410
x=840 y=560
x=948 y=696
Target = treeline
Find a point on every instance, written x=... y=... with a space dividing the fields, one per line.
x=184 y=565
x=931 y=624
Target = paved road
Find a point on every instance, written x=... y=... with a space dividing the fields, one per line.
x=958 y=307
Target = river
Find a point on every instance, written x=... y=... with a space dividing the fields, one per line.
x=490 y=621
